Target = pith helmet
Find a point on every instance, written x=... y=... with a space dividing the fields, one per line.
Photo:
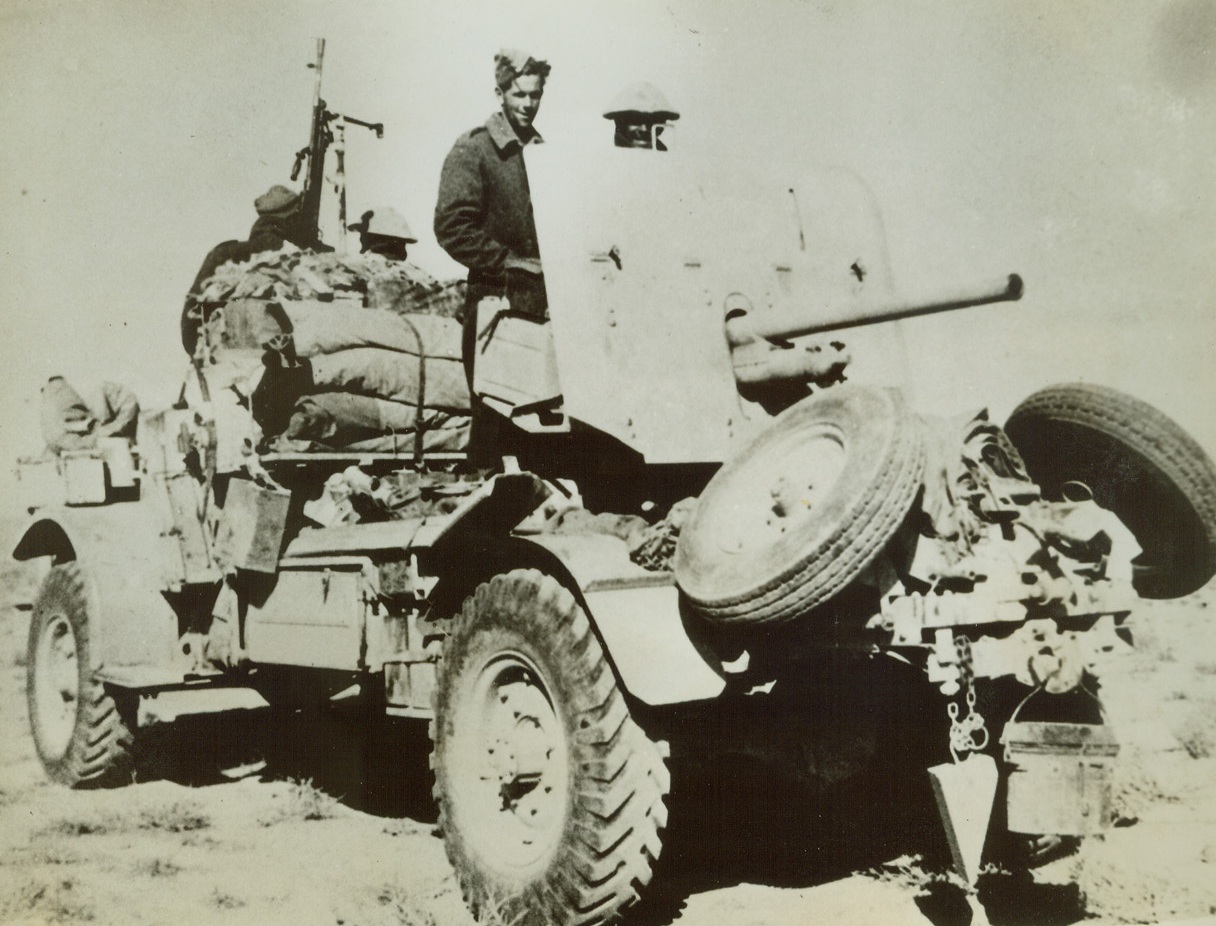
x=643 y=99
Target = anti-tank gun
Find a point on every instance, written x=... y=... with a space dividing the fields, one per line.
x=844 y=575
x=839 y=517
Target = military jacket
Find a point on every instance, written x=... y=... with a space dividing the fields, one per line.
x=484 y=211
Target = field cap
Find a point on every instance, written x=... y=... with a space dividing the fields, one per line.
x=276 y=201
x=511 y=63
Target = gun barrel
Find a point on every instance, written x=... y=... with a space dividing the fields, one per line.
x=790 y=325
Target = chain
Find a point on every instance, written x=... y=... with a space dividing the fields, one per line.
x=968 y=734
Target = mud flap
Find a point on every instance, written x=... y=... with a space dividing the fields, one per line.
x=965 y=792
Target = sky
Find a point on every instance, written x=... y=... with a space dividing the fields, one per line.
x=1071 y=143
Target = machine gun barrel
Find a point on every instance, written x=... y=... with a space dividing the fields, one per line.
x=319 y=138
x=777 y=326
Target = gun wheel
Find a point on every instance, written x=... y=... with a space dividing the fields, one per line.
x=79 y=733
x=802 y=510
x=550 y=795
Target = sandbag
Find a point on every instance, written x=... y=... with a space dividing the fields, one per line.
x=452 y=436
x=325 y=329
x=339 y=419
x=392 y=375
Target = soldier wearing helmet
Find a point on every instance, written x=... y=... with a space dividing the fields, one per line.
x=384 y=231
x=641 y=113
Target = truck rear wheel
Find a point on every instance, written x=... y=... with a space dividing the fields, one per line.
x=804 y=509
x=1138 y=464
x=550 y=795
x=79 y=733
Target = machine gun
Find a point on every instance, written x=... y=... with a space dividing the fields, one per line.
x=328 y=128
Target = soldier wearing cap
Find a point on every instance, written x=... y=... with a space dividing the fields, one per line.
x=384 y=231
x=483 y=217
x=278 y=211
x=640 y=113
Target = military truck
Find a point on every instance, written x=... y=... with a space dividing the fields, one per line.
x=704 y=511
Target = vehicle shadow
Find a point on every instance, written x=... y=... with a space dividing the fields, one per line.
x=741 y=822
x=823 y=783
x=732 y=819
x=377 y=765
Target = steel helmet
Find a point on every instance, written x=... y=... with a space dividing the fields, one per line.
x=386 y=222
x=644 y=99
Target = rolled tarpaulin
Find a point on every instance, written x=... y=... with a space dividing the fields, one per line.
x=392 y=375
x=338 y=419
x=326 y=329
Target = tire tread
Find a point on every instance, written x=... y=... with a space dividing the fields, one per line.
x=101 y=750
x=1139 y=427
x=612 y=842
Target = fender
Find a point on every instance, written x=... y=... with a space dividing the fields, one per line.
x=636 y=613
x=117 y=549
x=639 y=619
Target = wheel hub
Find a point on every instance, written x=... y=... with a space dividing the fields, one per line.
x=513 y=770
x=782 y=490
x=56 y=685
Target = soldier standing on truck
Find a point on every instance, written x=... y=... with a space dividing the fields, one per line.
x=483 y=217
x=277 y=222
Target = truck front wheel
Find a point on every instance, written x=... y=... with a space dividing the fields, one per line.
x=79 y=733
x=550 y=794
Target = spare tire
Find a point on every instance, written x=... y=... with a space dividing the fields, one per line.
x=1139 y=464
x=803 y=509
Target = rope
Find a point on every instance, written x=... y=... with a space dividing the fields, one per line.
x=421 y=405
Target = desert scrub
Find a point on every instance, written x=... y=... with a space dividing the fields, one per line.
x=176 y=818
x=494 y=912
x=45 y=902
x=225 y=901
x=1128 y=894
x=1135 y=788
x=92 y=825
x=56 y=855
x=1197 y=734
x=179 y=817
x=404 y=906
x=303 y=801
x=157 y=868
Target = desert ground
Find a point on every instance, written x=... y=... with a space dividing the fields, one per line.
x=236 y=818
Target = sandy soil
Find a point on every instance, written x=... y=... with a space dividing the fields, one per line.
x=328 y=821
